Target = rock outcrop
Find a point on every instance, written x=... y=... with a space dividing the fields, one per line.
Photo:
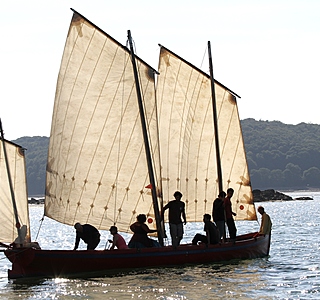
x=269 y=195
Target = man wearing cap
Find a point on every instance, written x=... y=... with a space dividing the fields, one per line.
x=89 y=234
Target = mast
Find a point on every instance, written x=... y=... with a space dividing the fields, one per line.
x=146 y=144
x=13 y=199
x=215 y=120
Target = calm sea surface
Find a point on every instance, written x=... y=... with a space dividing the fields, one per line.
x=291 y=272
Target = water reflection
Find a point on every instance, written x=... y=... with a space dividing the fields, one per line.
x=200 y=282
x=291 y=272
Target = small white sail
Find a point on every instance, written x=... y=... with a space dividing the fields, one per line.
x=187 y=149
x=97 y=171
x=17 y=170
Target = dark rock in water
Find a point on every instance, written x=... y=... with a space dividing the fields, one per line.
x=36 y=201
x=269 y=195
x=303 y=198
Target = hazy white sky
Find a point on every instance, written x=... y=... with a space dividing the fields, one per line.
x=268 y=52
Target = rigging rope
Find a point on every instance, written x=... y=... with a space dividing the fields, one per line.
x=204 y=55
x=42 y=219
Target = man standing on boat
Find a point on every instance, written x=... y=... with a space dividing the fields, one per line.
x=229 y=215
x=266 y=224
x=218 y=214
x=176 y=211
x=89 y=234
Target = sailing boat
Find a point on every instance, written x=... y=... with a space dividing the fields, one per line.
x=113 y=155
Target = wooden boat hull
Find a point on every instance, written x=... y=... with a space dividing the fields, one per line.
x=30 y=262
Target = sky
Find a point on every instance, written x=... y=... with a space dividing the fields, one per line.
x=268 y=52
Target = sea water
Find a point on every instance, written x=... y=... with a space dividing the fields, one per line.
x=292 y=271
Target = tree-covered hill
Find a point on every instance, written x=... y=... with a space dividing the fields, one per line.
x=36 y=160
x=280 y=156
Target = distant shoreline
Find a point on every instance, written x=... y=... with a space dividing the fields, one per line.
x=310 y=190
x=284 y=190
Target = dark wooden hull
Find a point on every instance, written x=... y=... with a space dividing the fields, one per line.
x=30 y=262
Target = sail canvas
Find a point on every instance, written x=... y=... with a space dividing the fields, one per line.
x=17 y=172
x=188 y=150
x=97 y=171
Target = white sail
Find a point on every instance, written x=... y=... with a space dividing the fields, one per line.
x=97 y=170
x=188 y=154
x=17 y=171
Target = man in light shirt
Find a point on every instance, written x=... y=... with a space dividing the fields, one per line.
x=266 y=224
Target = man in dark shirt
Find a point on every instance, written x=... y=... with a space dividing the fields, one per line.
x=218 y=214
x=176 y=211
x=229 y=215
x=89 y=234
x=212 y=232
